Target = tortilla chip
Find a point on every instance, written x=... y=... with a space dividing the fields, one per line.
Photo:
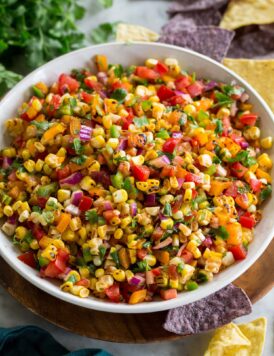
x=209 y=40
x=229 y=341
x=255 y=332
x=247 y=12
x=195 y=5
x=193 y=18
x=126 y=33
x=251 y=70
x=255 y=42
x=209 y=313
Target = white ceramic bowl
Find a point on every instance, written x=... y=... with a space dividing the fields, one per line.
x=127 y=54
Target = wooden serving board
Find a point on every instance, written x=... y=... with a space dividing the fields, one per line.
x=126 y=328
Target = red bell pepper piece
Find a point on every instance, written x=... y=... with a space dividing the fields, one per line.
x=232 y=191
x=239 y=252
x=169 y=145
x=172 y=272
x=57 y=267
x=161 y=68
x=85 y=203
x=248 y=119
x=191 y=177
x=141 y=173
x=164 y=93
x=28 y=258
x=141 y=253
x=63 y=172
x=146 y=73
x=247 y=221
x=92 y=84
x=86 y=97
x=182 y=82
x=187 y=256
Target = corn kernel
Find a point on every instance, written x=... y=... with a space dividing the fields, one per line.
x=190 y=110
x=100 y=272
x=40 y=148
x=82 y=233
x=8 y=211
x=188 y=195
x=151 y=260
x=75 y=223
x=167 y=224
x=119 y=275
x=173 y=182
x=267 y=142
x=98 y=142
x=113 y=142
x=69 y=235
x=174 y=283
x=193 y=248
x=49 y=252
x=120 y=196
x=252 y=133
x=9 y=152
x=107 y=121
x=80 y=291
x=151 y=62
x=20 y=232
x=39 y=165
x=138 y=160
x=118 y=234
x=171 y=62
x=66 y=287
x=204 y=216
x=223 y=112
x=63 y=195
x=29 y=165
x=34 y=244
x=25 y=154
x=87 y=183
x=102 y=230
x=264 y=161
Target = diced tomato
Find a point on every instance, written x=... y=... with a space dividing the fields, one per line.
x=232 y=191
x=238 y=170
x=165 y=93
x=194 y=193
x=141 y=253
x=256 y=185
x=248 y=119
x=187 y=256
x=156 y=271
x=127 y=289
x=57 y=267
x=195 y=89
x=83 y=282
x=146 y=73
x=157 y=233
x=86 y=97
x=191 y=177
x=168 y=171
x=109 y=214
x=118 y=85
x=37 y=231
x=182 y=82
x=67 y=83
x=247 y=221
x=168 y=294
x=169 y=145
x=226 y=126
x=175 y=100
x=239 y=252
x=172 y=272
x=141 y=173
x=28 y=258
x=92 y=84
x=63 y=255
x=41 y=201
x=85 y=203
x=63 y=172
x=54 y=104
x=161 y=68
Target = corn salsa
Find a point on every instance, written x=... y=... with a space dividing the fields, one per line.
x=132 y=183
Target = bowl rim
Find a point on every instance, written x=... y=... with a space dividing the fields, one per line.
x=155 y=306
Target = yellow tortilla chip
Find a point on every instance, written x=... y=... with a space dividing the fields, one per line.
x=247 y=12
x=258 y=73
x=255 y=331
x=228 y=341
x=126 y=32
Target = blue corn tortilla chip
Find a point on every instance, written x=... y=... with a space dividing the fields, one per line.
x=195 y=5
x=210 y=17
x=209 y=313
x=253 y=42
x=209 y=40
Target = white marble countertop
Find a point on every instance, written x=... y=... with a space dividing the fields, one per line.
x=153 y=15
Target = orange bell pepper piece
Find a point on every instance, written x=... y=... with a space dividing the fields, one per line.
x=217 y=187
x=202 y=138
x=101 y=63
x=74 y=126
x=63 y=222
x=52 y=132
x=235 y=233
x=242 y=200
x=138 y=296
x=76 y=167
x=162 y=256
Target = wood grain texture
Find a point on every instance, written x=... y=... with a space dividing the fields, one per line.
x=125 y=328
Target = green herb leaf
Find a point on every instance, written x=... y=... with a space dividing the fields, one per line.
x=223 y=99
x=106 y=3
x=146 y=105
x=119 y=95
x=265 y=193
x=141 y=121
x=79 y=160
x=104 y=32
x=244 y=158
x=167 y=210
x=102 y=252
x=219 y=127
x=79 y=149
x=118 y=70
x=222 y=232
x=91 y=216
x=115 y=258
x=41 y=125
x=232 y=90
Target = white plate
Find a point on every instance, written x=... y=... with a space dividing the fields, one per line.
x=128 y=54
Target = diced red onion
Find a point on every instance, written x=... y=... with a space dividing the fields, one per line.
x=102 y=77
x=140 y=151
x=149 y=277
x=162 y=244
x=211 y=85
x=207 y=242
x=122 y=144
x=73 y=179
x=73 y=210
x=136 y=280
x=6 y=162
x=160 y=162
x=133 y=209
x=181 y=249
x=244 y=97
x=180 y=182
x=12 y=219
x=185 y=96
x=107 y=205
x=177 y=134
x=76 y=197
x=244 y=144
x=102 y=177
x=150 y=200
x=85 y=133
